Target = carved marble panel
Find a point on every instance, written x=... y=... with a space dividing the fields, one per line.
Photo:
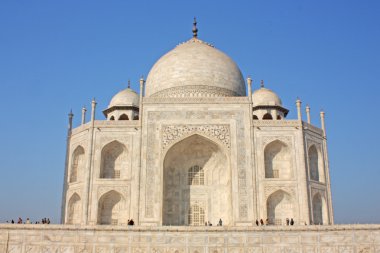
x=171 y=133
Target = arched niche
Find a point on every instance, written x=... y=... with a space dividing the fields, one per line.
x=254 y=117
x=196 y=169
x=110 y=209
x=74 y=210
x=319 y=210
x=280 y=207
x=315 y=164
x=112 y=160
x=123 y=117
x=278 y=163
x=267 y=116
x=77 y=164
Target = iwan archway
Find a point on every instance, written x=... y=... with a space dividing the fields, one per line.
x=196 y=183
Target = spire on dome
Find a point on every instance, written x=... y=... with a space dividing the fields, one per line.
x=129 y=84
x=195 y=29
x=262 y=84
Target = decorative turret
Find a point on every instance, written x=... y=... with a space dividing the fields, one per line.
x=124 y=105
x=267 y=105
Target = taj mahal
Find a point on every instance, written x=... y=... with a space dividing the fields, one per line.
x=197 y=144
x=203 y=161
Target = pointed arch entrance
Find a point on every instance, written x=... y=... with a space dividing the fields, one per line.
x=196 y=183
x=280 y=207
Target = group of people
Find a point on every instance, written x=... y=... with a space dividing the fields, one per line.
x=131 y=222
x=262 y=223
x=28 y=221
x=220 y=223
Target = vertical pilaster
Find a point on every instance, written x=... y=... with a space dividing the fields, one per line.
x=64 y=191
x=327 y=170
x=249 y=82
x=84 y=115
x=308 y=114
x=142 y=81
x=299 y=114
x=88 y=171
x=303 y=189
x=254 y=205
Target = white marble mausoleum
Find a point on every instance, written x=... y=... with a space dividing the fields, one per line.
x=196 y=144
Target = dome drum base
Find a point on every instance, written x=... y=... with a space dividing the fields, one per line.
x=195 y=91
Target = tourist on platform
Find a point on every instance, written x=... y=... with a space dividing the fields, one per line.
x=261 y=222
x=220 y=222
x=27 y=221
x=257 y=222
x=287 y=221
x=291 y=222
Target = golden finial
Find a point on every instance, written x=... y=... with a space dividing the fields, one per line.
x=195 y=29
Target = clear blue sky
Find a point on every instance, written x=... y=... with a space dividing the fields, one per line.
x=57 y=55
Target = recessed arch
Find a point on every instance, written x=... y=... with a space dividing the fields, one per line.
x=110 y=209
x=255 y=117
x=280 y=207
x=203 y=163
x=319 y=213
x=77 y=164
x=113 y=160
x=123 y=117
x=315 y=164
x=112 y=117
x=277 y=160
x=267 y=116
x=74 y=210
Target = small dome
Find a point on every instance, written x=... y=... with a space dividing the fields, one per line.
x=127 y=97
x=195 y=69
x=264 y=96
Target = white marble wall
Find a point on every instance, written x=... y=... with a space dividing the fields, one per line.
x=104 y=239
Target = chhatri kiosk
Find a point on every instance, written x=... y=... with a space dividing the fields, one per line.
x=196 y=145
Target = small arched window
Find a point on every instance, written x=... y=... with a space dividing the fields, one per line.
x=112 y=118
x=136 y=117
x=123 y=117
x=267 y=116
x=255 y=117
x=279 y=117
x=196 y=176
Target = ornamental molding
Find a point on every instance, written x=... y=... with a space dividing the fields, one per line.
x=172 y=133
x=292 y=123
x=310 y=142
x=72 y=191
x=122 y=190
x=270 y=189
x=312 y=128
x=315 y=191
x=195 y=91
x=265 y=140
x=196 y=100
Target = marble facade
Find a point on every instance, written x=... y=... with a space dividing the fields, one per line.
x=196 y=145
